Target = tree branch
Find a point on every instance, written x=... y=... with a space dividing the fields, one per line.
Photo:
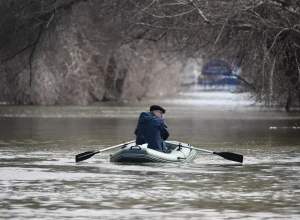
x=161 y=16
x=31 y=54
x=192 y=3
x=242 y=79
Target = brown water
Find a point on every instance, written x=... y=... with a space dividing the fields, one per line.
x=39 y=178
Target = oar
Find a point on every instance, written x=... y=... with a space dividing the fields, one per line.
x=88 y=154
x=226 y=155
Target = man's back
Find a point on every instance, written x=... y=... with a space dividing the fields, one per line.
x=152 y=130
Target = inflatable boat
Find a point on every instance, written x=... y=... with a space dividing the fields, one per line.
x=132 y=153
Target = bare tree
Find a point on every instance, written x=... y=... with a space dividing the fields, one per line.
x=261 y=36
x=73 y=52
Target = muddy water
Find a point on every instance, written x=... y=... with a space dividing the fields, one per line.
x=39 y=178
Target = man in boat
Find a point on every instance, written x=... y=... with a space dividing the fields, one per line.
x=152 y=129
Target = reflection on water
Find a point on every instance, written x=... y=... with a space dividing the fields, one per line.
x=39 y=178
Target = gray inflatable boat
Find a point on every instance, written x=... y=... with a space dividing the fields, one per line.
x=132 y=153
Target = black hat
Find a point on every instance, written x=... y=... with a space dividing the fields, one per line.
x=157 y=107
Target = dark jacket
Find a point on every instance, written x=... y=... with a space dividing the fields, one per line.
x=152 y=130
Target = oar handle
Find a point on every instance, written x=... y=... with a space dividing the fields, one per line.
x=194 y=148
x=109 y=148
x=226 y=155
x=119 y=145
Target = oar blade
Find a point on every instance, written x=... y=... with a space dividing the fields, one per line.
x=85 y=155
x=231 y=156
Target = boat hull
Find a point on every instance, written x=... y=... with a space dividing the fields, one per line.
x=133 y=153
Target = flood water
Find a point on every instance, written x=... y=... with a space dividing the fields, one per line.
x=39 y=178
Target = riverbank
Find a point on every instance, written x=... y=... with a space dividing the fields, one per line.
x=198 y=104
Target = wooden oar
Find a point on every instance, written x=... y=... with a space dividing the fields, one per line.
x=227 y=155
x=88 y=154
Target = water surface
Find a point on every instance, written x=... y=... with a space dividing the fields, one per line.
x=39 y=178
